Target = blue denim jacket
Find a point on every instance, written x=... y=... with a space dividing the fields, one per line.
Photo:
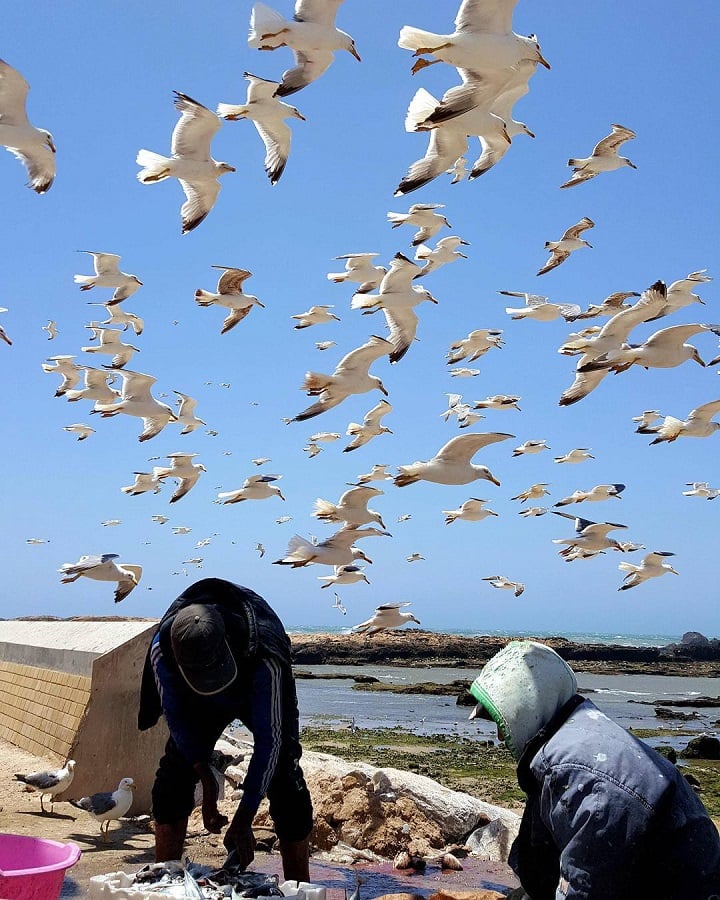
x=608 y=818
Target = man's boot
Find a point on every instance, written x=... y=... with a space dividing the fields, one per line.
x=169 y=840
x=296 y=859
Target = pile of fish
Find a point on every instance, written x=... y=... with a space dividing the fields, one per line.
x=173 y=879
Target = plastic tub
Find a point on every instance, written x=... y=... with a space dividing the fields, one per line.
x=33 y=868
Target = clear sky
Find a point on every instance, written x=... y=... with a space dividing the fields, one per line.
x=102 y=76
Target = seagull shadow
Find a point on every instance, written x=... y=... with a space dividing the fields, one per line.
x=45 y=815
x=118 y=839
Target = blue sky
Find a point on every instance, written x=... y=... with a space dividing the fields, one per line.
x=102 y=76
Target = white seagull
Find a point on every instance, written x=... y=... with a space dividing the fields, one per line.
x=612 y=304
x=183 y=470
x=596 y=494
x=229 y=294
x=680 y=294
x=348 y=574
x=325 y=437
x=311 y=34
x=652 y=566
x=190 y=162
x=371 y=426
x=533 y=511
x=475 y=345
x=534 y=492
x=144 y=482
x=119 y=316
x=539 y=308
x=386 y=617
x=106 y=806
x=51 y=329
x=498 y=401
x=108 y=275
x=337 y=604
x=111 y=345
x=256 y=487
x=268 y=115
x=104 y=568
x=65 y=367
x=698 y=424
x=136 y=400
x=472 y=510
x=665 y=349
x=337 y=550
x=378 y=472
x=186 y=413
x=530 y=447
x=483 y=38
x=325 y=345
x=443 y=253
x=570 y=241
x=359 y=269
x=34 y=147
x=590 y=538
x=83 y=431
x=580 y=454
x=97 y=388
x=312 y=449
x=316 y=315
x=181 y=529
x=451 y=464
x=701 y=489
x=351 y=376
x=351 y=508
x=604 y=157
x=500 y=581
x=423 y=217
x=161 y=520
x=49 y=783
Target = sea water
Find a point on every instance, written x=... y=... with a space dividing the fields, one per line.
x=336 y=703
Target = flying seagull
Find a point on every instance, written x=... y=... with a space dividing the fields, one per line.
x=604 y=157
x=104 y=568
x=108 y=275
x=570 y=241
x=34 y=147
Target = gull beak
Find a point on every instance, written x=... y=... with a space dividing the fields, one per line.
x=51 y=144
x=494 y=480
x=632 y=165
x=385 y=392
x=542 y=60
x=299 y=115
x=698 y=359
x=673 y=571
x=529 y=133
x=355 y=53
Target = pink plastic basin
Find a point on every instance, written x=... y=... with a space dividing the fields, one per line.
x=33 y=868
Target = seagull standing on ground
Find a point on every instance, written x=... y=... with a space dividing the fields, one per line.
x=104 y=568
x=570 y=241
x=311 y=34
x=105 y=806
x=386 y=617
x=229 y=293
x=108 y=275
x=451 y=464
x=268 y=115
x=604 y=157
x=34 y=147
x=190 y=163
x=49 y=783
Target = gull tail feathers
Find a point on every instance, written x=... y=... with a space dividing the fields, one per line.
x=230 y=111
x=155 y=166
x=314 y=383
x=265 y=23
x=412 y=38
x=204 y=298
x=421 y=107
x=363 y=301
x=324 y=509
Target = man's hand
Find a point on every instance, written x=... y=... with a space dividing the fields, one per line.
x=239 y=837
x=213 y=819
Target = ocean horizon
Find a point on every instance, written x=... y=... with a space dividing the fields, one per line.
x=578 y=637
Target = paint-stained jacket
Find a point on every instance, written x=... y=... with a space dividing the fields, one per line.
x=608 y=818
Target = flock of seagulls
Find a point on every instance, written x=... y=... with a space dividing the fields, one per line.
x=494 y=66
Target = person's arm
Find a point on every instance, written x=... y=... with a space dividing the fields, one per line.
x=188 y=737
x=266 y=725
x=596 y=825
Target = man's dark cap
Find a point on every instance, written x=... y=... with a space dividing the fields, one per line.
x=201 y=649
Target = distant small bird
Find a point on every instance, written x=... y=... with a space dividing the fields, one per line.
x=112 y=345
x=136 y=400
x=359 y=269
x=415 y=557
x=312 y=449
x=311 y=34
x=570 y=241
x=191 y=162
x=161 y=520
x=4 y=337
x=701 y=489
x=533 y=511
x=530 y=447
x=119 y=316
x=371 y=426
x=106 y=807
x=500 y=581
x=256 y=487
x=604 y=157
x=260 y=460
x=405 y=517
x=181 y=529
x=268 y=114
x=325 y=437
x=325 y=345
x=351 y=508
x=348 y=574
x=111 y=522
x=108 y=275
x=472 y=510
x=423 y=217
x=498 y=401
x=49 y=783
x=539 y=308
x=260 y=550
x=534 y=492
x=464 y=372
x=444 y=252
x=386 y=617
x=37 y=541
x=229 y=294
x=144 y=482
x=183 y=470
x=34 y=147
x=51 y=329
x=65 y=367
x=338 y=605
x=377 y=473
x=475 y=345
x=646 y=420
x=186 y=413
x=283 y=519
x=104 y=568
x=316 y=315
x=652 y=566
x=580 y=454
x=82 y=431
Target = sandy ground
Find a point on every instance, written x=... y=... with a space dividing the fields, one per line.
x=131 y=844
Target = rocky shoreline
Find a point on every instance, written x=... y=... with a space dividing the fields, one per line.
x=695 y=655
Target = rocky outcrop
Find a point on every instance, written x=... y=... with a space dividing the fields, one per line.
x=694 y=654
